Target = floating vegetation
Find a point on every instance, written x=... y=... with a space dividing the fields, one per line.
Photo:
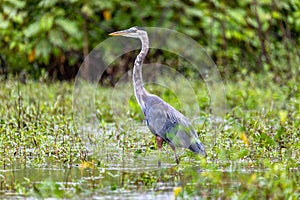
x=252 y=153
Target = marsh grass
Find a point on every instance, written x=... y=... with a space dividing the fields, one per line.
x=254 y=153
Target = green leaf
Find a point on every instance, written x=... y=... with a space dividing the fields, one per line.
x=276 y=15
x=43 y=49
x=47 y=3
x=4 y=24
x=56 y=38
x=46 y=22
x=32 y=29
x=252 y=22
x=18 y=4
x=10 y=11
x=12 y=45
x=87 y=10
x=69 y=27
x=194 y=12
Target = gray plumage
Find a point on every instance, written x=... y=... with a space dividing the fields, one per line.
x=164 y=121
x=168 y=123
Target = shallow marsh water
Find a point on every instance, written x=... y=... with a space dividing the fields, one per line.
x=138 y=181
x=254 y=155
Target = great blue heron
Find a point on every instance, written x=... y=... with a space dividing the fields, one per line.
x=164 y=121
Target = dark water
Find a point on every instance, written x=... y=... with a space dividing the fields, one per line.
x=132 y=180
x=98 y=183
x=111 y=182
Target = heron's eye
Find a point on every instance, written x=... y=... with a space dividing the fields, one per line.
x=133 y=29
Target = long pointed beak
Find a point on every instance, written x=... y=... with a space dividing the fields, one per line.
x=119 y=33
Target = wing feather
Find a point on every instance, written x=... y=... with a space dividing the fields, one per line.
x=168 y=123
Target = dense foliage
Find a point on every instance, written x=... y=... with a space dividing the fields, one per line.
x=56 y=35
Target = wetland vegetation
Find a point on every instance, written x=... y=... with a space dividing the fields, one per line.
x=254 y=153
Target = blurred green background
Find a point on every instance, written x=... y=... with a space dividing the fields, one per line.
x=51 y=37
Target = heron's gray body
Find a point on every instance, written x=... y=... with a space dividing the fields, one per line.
x=173 y=127
x=164 y=121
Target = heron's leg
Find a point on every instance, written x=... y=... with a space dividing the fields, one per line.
x=159 y=142
x=176 y=157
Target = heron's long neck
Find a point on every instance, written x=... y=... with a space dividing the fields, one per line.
x=137 y=78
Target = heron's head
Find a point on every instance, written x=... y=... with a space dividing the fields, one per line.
x=134 y=32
